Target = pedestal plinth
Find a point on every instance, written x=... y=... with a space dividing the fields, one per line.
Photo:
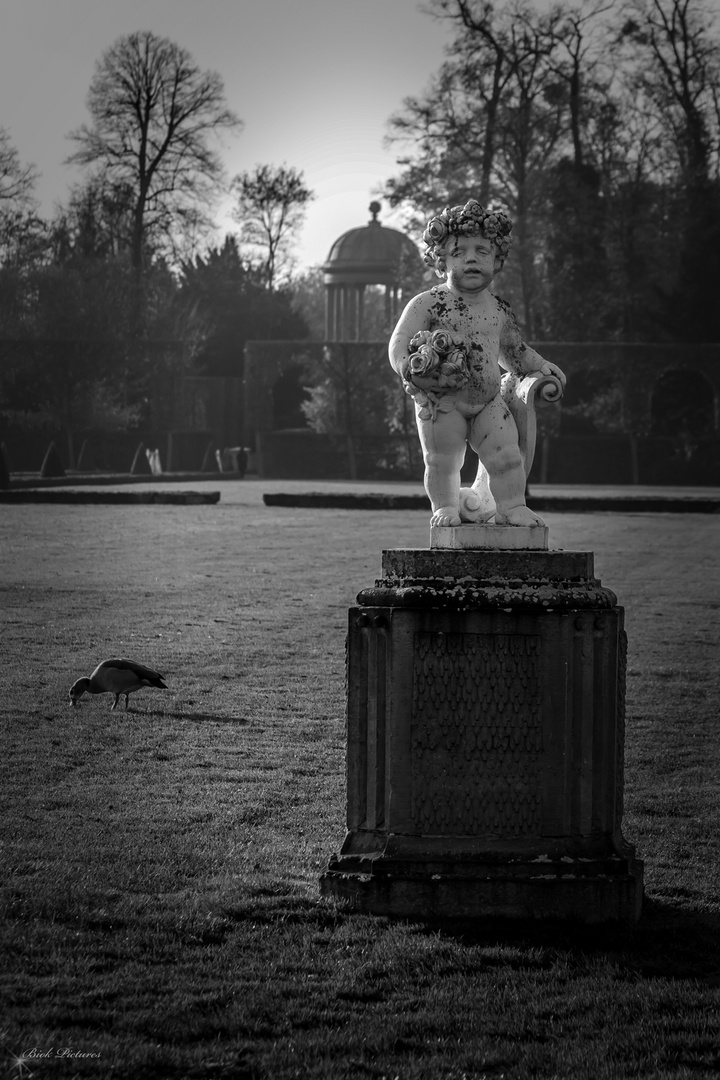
x=485 y=741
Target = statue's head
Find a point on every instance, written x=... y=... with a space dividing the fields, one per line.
x=472 y=219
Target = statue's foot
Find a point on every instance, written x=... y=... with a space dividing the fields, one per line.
x=518 y=515
x=473 y=508
x=445 y=516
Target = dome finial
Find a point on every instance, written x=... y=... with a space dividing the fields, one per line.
x=374 y=209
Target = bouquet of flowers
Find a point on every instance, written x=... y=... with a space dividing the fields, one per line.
x=444 y=358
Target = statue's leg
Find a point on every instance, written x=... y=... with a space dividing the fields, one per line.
x=443 y=445
x=493 y=435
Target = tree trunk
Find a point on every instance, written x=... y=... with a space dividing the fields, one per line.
x=136 y=250
x=351 y=458
x=575 y=119
x=70 y=442
x=488 y=159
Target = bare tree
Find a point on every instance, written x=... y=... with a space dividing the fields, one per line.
x=490 y=69
x=578 y=52
x=489 y=123
x=96 y=222
x=452 y=128
x=16 y=180
x=681 y=76
x=153 y=114
x=677 y=73
x=271 y=204
x=23 y=238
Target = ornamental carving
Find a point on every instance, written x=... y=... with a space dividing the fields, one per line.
x=476 y=735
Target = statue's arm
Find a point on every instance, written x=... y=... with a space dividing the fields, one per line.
x=518 y=357
x=414 y=318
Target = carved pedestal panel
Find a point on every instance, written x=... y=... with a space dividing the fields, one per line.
x=485 y=741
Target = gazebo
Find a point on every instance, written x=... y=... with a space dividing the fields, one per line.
x=370 y=255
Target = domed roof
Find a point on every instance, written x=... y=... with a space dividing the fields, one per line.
x=371 y=255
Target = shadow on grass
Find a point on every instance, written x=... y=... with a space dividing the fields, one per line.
x=208 y=718
x=668 y=942
x=165 y=714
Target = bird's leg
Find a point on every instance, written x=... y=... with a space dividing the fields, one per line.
x=114 y=704
x=127 y=698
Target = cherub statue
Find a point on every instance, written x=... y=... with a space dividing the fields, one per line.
x=449 y=346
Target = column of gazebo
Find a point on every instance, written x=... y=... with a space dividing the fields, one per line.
x=345 y=312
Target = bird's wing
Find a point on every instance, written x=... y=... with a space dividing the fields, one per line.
x=120 y=664
x=121 y=676
x=107 y=678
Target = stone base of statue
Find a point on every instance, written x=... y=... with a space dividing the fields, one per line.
x=485 y=741
x=491 y=537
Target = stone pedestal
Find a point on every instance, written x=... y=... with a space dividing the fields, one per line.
x=492 y=537
x=485 y=741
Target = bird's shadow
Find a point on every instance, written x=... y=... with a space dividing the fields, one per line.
x=176 y=715
x=193 y=717
x=204 y=718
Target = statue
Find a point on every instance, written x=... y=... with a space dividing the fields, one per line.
x=486 y=673
x=449 y=347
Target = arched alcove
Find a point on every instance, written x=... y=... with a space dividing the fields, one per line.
x=683 y=402
x=288 y=395
x=592 y=403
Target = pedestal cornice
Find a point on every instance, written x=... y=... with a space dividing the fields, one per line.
x=465 y=579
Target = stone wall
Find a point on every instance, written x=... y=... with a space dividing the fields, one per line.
x=635 y=443
x=184 y=413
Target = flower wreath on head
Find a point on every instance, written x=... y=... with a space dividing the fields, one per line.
x=472 y=219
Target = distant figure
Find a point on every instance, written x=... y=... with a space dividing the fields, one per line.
x=449 y=346
x=232 y=459
x=154 y=462
x=241 y=460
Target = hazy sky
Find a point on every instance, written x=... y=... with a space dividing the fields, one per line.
x=313 y=80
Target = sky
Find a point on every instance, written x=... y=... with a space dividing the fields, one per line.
x=314 y=82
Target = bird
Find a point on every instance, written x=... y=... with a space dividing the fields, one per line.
x=116 y=677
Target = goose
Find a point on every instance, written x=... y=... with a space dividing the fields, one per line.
x=116 y=677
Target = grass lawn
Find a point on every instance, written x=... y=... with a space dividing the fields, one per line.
x=161 y=915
